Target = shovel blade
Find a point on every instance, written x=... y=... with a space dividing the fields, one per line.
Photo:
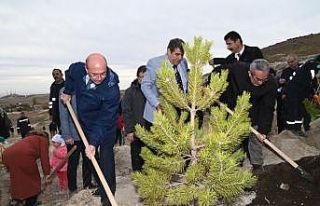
x=304 y=174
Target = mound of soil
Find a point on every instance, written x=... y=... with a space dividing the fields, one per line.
x=281 y=184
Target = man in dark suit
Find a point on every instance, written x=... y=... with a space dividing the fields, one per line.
x=240 y=52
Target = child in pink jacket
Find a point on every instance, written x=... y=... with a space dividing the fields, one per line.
x=58 y=154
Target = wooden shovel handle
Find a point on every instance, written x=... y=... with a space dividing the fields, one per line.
x=267 y=142
x=93 y=159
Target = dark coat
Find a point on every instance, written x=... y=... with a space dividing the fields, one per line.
x=97 y=107
x=20 y=159
x=286 y=74
x=133 y=107
x=249 y=54
x=23 y=125
x=54 y=102
x=299 y=87
x=5 y=124
x=262 y=97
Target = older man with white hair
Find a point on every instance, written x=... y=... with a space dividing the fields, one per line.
x=262 y=87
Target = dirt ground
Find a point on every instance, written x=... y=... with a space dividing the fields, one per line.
x=278 y=185
x=282 y=185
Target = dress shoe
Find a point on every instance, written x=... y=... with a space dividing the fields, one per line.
x=257 y=170
x=96 y=193
x=90 y=186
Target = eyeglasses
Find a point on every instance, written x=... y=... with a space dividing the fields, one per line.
x=256 y=80
x=97 y=75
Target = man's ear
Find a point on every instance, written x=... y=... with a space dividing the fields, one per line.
x=169 y=51
x=238 y=42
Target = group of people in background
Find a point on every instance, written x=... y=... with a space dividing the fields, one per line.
x=92 y=88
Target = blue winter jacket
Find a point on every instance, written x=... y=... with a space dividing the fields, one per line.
x=68 y=129
x=98 y=106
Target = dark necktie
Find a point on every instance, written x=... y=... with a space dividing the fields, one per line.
x=178 y=77
x=238 y=56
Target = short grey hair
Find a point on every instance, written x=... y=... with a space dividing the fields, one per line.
x=260 y=64
x=293 y=56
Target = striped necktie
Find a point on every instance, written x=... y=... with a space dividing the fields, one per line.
x=178 y=77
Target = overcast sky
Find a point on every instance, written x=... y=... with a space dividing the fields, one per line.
x=39 y=35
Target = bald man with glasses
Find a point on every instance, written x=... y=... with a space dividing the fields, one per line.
x=98 y=97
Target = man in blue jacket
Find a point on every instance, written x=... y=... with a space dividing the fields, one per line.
x=71 y=138
x=98 y=98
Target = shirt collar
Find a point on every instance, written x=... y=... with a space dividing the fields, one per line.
x=89 y=83
x=241 y=52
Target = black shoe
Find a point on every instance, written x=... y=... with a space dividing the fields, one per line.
x=96 y=193
x=105 y=202
x=257 y=170
x=90 y=186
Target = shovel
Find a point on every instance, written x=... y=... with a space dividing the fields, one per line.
x=298 y=168
x=93 y=159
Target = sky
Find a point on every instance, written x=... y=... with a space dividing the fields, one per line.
x=39 y=35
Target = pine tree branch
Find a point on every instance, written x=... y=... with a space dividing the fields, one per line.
x=200 y=146
x=221 y=163
x=167 y=135
x=175 y=184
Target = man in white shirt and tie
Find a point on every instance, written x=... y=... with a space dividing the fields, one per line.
x=174 y=56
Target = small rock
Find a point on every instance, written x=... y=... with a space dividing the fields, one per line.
x=284 y=186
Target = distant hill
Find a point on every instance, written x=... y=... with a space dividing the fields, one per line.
x=14 y=101
x=303 y=46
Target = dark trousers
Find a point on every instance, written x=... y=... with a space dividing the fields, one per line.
x=281 y=119
x=119 y=137
x=23 y=135
x=294 y=112
x=31 y=201
x=147 y=125
x=136 y=160
x=107 y=166
x=73 y=163
x=306 y=119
